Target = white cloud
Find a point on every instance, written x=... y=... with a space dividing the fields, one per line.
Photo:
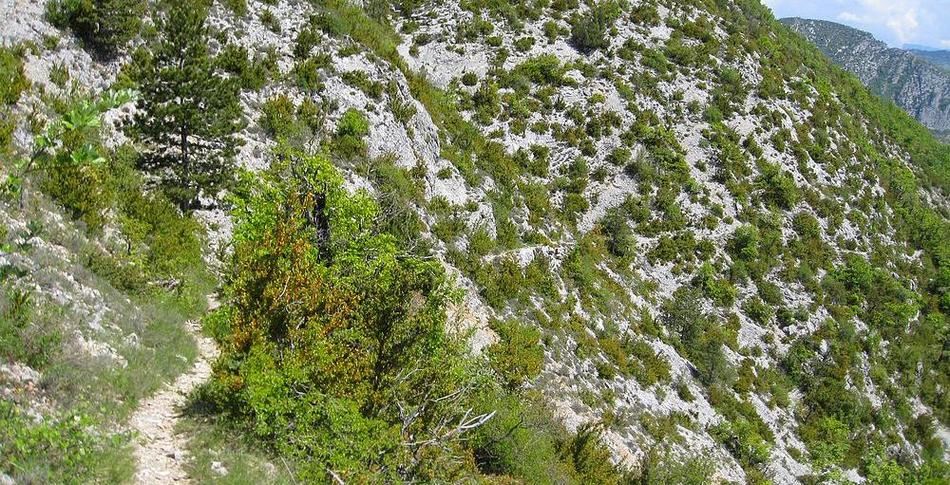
x=898 y=16
x=945 y=43
x=850 y=17
x=893 y=21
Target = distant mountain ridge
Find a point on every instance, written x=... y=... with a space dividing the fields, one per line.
x=938 y=57
x=918 y=81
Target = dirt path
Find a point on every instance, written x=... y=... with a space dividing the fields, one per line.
x=160 y=452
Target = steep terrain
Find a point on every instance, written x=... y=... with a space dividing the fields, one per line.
x=914 y=80
x=938 y=57
x=678 y=228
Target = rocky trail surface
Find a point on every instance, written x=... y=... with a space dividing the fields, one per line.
x=160 y=452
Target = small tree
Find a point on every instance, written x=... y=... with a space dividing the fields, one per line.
x=189 y=111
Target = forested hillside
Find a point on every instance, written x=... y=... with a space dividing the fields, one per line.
x=645 y=241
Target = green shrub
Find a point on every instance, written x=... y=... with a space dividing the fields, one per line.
x=525 y=442
x=361 y=80
x=106 y=26
x=827 y=439
x=778 y=187
x=82 y=191
x=270 y=20
x=14 y=79
x=330 y=326
x=161 y=240
x=67 y=157
x=48 y=450
x=517 y=356
x=236 y=7
x=307 y=73
x=278 y=116
x=620 y=239
x=757 y=310
x=545 y=69
x=719 y=290
x=25 y=335
x=348 y=140
x=743 y=441
x=589 y=32
x=253 y=73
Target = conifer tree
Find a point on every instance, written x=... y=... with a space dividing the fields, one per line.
x=188 y=110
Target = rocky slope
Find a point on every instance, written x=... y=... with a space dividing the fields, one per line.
x=911 y=79
x=939 y=57
x=718 y=247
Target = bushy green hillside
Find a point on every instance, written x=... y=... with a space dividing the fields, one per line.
x=533 y=242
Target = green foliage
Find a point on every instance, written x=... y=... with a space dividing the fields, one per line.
x=620 y=239
x=828 y=440
x=14 y=80
x=635 y=357
x=61 y=449
x=661 y=465
x=253 y=73
x=361 y=80
x=67 y=157
x=518 y=356
x=778 y=187
x=699 y=337
x=742 y=440
x=25 y=335
x=545 y=69
x=189 y=111
x=106 y=26
x=719 y=290
x=336 y=338
x=278 y=116
x=350 y=131
x=307 y=73
x=589 y=32
x=236 y=7
x=525 y=442
x=161 y=240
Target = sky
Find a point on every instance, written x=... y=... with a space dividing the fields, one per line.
x=896 y=22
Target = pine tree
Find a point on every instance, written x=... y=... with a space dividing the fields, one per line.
x=188 y=110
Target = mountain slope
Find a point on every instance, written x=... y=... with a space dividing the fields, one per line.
x=909 y=78
x=938 y=57
x=681 y=232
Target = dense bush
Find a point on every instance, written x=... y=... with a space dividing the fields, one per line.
x=348 y=140
x=517 y=356
x=45 y=451
x=778 y=187
x=106 y=26
x=698 y=335
x=589 y=32
x=338 y=352
x=253 y=73
x=278 y=116
x=14 y=79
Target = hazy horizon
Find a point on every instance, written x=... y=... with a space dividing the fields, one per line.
x=896 y=22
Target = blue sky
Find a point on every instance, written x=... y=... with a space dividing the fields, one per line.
x=896 y=22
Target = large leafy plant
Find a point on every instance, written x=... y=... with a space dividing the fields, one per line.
x=67 y=142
